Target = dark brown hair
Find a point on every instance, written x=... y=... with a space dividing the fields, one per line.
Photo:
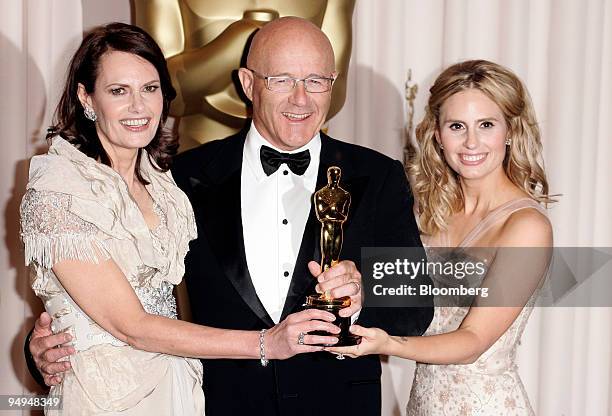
x=69 y=120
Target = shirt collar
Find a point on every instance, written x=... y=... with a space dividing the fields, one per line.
x=254 y=141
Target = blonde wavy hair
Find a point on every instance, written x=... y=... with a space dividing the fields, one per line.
x=435 y=184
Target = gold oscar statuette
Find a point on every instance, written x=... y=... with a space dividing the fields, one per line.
x=332 y=205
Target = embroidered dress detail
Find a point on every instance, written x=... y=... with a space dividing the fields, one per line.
x=51 y=233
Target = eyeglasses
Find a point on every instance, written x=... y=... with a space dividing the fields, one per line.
x=287 y=84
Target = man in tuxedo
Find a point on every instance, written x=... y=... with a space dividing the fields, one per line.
x=255 y=259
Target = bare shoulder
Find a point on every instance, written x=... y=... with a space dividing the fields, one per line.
x=526 y=228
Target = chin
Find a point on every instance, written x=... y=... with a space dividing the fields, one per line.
x=301 y=137
x=143 y=135
x=292 y=141
x=138 y=142
x=475 y=174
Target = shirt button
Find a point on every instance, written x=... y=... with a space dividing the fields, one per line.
x=286 y=273
x=285 y=221
x=285 y=172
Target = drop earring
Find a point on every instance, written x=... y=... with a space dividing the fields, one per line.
x=90 y=114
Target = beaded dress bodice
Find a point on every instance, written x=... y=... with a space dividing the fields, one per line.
x=46 y=215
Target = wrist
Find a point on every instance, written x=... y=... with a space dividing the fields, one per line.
x=392 y=346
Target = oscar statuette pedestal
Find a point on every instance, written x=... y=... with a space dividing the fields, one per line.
x=334 y=306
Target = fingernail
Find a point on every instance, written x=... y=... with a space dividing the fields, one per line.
x=320 y=279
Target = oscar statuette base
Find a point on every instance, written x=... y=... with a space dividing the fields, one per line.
x=334 y=306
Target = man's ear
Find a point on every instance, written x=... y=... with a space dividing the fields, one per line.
x=84 y=98
x=246 y=80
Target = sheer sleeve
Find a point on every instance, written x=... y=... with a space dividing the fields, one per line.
x=52 y=233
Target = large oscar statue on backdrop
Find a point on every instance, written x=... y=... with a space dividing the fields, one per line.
x=204 y=42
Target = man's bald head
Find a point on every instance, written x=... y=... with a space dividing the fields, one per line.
x=293 y=49
x=290 y=35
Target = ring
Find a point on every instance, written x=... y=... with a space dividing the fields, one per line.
x=340 y=356
x=358 y=286
x=301 y=338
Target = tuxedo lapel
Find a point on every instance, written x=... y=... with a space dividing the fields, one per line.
x=222 y=220
x=302 y=282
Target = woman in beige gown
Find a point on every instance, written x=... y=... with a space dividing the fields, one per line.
x=106 y=230
x=479 y=189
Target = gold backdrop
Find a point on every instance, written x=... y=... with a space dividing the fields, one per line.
x=204 y=42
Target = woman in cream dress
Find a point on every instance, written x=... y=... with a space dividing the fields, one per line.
x=479 y=189
x=106 y=231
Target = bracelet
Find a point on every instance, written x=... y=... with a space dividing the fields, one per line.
x=262 y=350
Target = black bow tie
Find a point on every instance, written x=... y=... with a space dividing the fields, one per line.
x=272 y=159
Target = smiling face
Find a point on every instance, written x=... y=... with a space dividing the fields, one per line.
x=472 y=130
x=127 y=100
x=295 y=48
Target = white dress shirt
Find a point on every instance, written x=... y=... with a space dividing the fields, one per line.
x=275 y=209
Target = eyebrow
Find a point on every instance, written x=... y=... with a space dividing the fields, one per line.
x=311 y=75
x=119 y=84
x=480 y=120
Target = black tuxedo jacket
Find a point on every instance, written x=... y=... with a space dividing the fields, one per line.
x=222 y=294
